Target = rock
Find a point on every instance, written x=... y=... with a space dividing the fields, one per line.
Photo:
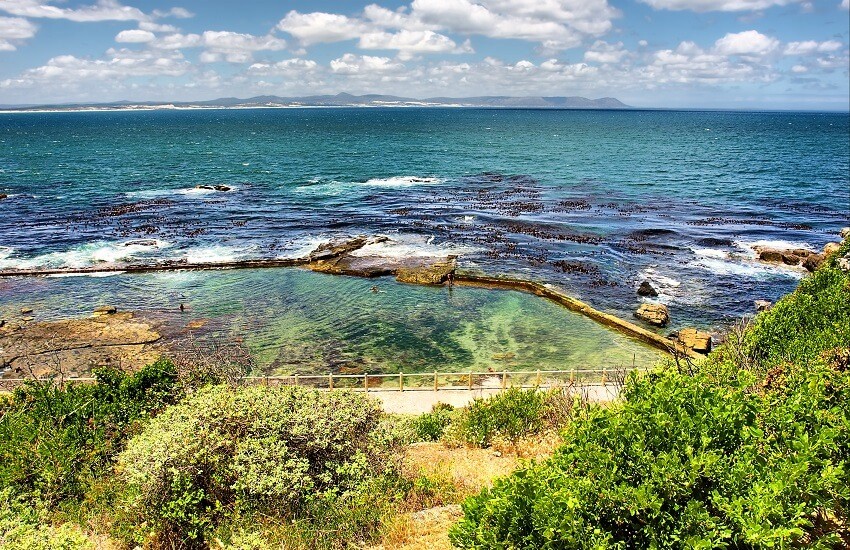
x=790 y=259
x=26 y=310
x=207 y=187
x=845 y=232
x=831 y=248
x=770 y=255
x=142 y=242
x=28 y=319
x=844 y=263
x=429 y=274
x=105 y=310
x=654 y=314
x=763 y=305
x=3 y=196
x=646 y=289
x=2 y=323
x=221 y=188
x=813 y=261
x=695 y=339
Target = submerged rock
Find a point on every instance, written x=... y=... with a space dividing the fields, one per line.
x=221 y=188
x=695 y=340
x=654 y=314
x=763 y=305
x=142 y=242
x=26 y=310
x=646 y=289
x=105 y=310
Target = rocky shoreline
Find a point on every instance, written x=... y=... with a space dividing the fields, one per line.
x=30 y=348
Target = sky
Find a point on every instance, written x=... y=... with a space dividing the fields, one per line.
x=737 y=54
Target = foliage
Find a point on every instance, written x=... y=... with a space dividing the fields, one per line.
x=430 y=426
x=740 y=455
x=54 y=440
x=249 y=450
x=510 y=415
x=23 y=528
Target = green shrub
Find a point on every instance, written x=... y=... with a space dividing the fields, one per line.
x=54 y=440
x=430 y=426
x=23 y=528
x=510 y=415
x=283 y=451
x=751 y=452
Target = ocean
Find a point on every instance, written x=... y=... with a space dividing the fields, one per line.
x=593 y=202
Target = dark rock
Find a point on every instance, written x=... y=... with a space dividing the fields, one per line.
x=105 y=310
x=3 y=196
x=221 y=188
x=207 y=187
x=770 y=255
x=142 y=242
x=654 y=314
x=646 y=289
x=813 y=261
x=714 y=241
x=790 y=259
x=763 y=305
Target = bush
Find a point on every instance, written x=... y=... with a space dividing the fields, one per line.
x=430 y=426
x=755 y=458
x=250 y=450
x=55 y=440
x=509 y=415
x=23 y=528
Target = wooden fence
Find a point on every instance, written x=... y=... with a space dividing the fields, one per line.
x=417 y=381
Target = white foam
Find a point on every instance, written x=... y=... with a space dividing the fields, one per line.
x=84 y=255
x=402 y=181
x=749 y=247
x=746 y=268
x=301 y=248
x=413 y=246
x=95 y=274
x=216 y=254
x=710 y=252
x=185 y=191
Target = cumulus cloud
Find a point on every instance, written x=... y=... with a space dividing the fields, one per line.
x=809 y=47
x=748 y=43
x=603 y=52
x=232 y=47
x=555 y=24
x=364 y=64
x=717 y=5
x=410 y=43
x=135 y=36
x=104 y=10
x=13 y=31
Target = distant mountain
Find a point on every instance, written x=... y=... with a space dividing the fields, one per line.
x=344 y=100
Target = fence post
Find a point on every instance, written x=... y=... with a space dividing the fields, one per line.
x=436 y=386
x=401 y=381
x=296 y=379
x=603 y=378
x=538 y=378
x=504 y=379
x=330 y=380
x=366 y=381
x=572 y=375
x=470 y=380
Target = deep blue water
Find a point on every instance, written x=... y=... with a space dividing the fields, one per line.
x=592 y=201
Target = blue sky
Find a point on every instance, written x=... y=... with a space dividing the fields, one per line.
x=768 y=54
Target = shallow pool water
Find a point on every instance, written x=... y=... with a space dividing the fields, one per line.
x=295 y=320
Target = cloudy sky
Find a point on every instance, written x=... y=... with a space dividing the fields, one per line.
x=773 y=54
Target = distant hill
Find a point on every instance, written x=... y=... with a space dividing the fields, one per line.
x=343 y=100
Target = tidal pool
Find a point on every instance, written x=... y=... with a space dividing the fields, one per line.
x=298 y=321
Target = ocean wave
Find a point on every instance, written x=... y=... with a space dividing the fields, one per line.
x=402 y=181
x=183 y=191
x=209 y=254
x=749 y=247
x=95 y=274
x=414 y=246
x=85 y=255
x=745 y=267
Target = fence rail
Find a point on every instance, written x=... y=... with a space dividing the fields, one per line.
x=414 y=381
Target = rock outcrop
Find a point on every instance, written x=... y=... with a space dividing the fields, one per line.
x=695 y=340
x=77 y=345
x=813 y=261
x=646 y=289
x=654 y=314
x=105 y=310
x=763 y=305
x=831 y=248
x=434 y=273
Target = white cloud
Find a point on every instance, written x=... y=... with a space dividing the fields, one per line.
x=157 y=27
x=177 y=41
x=809 y=47
x=318 y=27
x=717 y=5
x=103 y=10
x=748 y=43
x=364 y=64
x=179 y=13
x=409 y=43
x=135 y=36
x=603 y=52
x=237 y=47
x=13 y=31
x=287 y=67
x=845 y=4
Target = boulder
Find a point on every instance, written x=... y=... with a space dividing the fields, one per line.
x=790 y=259
x=105 y=310
x=26 y=310
x=3 y=196
x=646 y=289
x=694 y=339
x=844 y=263
x=831 y=248
x=221 y=188
x=845 y=232
x=813 y=261
x=763 y=305
x=654 y=314
x=770 y=255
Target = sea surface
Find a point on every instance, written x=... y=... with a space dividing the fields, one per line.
x=593 y=202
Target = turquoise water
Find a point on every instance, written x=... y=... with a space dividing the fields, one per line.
x=299 y=321
x=591 y=201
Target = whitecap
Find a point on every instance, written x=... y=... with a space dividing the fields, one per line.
x=95 y=274
x=402 y=181
x=84 y=255
x=216 y=254
x=414 y=246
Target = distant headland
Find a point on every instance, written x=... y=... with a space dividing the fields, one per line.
x=340 y=100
